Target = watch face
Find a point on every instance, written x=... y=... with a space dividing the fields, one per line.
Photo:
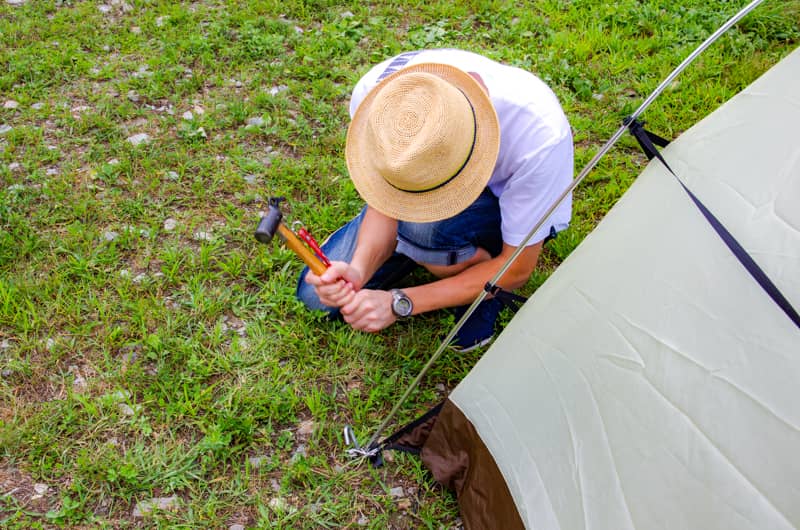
x=402 y=306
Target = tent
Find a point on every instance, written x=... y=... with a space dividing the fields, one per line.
x=652 y=381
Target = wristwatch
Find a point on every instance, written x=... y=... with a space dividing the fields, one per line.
x=401 y=304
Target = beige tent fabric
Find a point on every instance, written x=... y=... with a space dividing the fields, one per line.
x=651 y=383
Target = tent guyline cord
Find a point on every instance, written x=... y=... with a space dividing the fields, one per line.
x=372 y=448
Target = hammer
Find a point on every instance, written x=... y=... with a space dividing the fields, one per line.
x=272 y=223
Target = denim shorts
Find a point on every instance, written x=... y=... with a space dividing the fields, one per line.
x=447 y=242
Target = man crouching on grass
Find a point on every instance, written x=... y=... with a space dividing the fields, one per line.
x=457 y=158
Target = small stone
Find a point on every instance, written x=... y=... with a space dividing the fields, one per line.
x=236 y=527
x=256 y=121
x=124 y=273
x=133 y=96
x=5 y=128
x=160 y=21
x=277 y=89
x=306 y=428
x=110 y=235
x=15 y=2
x=103 y=8
x=37 y=106
x=188 y=116
x=136 y=30
x=298 y=29
x=256 y=461
x=121 y=395
x=397 y=492
x=7 y=373
x=199 y=110
x=598 y=97
x=10 y=104
x=203 y=236
x=440 y=387
x=138 y=139
x=362 y=521
x=300 y=452
x=125 y=409
x=348 y=14
x=142 y=71
x=140 y=278
x=129 y=358
x=5 y=344
x=78 y=381
x=279 y=504
x=41 y=489
x=14 y=166
x=170 y=224
x=251 y=179
x=51 y=172
x=173 y=175
x=160 y=503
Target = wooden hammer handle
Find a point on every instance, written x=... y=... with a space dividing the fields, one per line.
x=297 y=246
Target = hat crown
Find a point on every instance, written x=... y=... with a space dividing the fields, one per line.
x=421 y=130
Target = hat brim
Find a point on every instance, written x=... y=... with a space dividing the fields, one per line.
x=444 y=201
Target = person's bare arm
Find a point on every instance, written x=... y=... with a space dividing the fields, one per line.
x=465 y=286
x=370 y=310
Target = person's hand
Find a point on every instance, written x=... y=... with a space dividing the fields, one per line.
x=337 y=285
x=369 y=310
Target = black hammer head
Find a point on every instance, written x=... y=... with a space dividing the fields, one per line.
x=268 y=226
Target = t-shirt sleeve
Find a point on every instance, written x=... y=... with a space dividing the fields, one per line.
x=533 y=188
x=365 y=84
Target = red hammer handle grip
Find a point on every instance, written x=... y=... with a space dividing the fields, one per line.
x=297 y=246
x=303 y=234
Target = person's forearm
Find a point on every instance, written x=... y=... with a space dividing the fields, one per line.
x=465 y=286
x=377 y=239
x=456 y=290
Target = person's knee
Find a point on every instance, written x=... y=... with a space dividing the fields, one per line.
x=305 y=292
x=308 y=296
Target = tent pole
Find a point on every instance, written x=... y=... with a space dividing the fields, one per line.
x=371 y=448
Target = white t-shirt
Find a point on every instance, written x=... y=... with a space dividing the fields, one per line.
x=535 y=163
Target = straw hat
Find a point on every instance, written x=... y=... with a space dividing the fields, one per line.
x=423 y=143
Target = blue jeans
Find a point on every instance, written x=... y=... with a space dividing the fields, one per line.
x=447 y=242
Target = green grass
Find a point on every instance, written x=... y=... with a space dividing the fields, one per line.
x=140 y=360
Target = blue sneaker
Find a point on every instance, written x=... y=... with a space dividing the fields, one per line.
x=478 y=330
